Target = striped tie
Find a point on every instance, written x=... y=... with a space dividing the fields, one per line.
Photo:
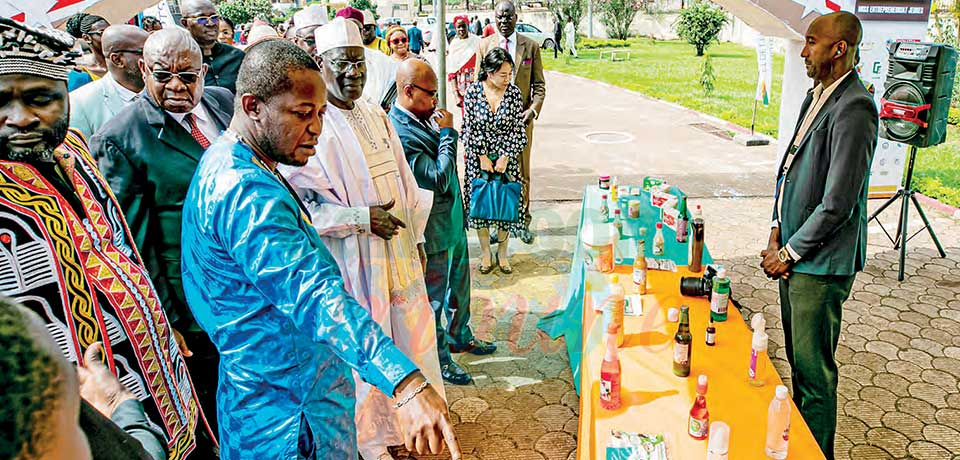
x=195 y=131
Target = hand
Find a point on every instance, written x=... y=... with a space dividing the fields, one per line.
x=501 y=164
x=528 y=116
x=772 y=267
x=445 y=120
x=382 y=223
x=425 y=421
x=486 y=164
x=181 y=343
x=423 y=258
x=98 y=385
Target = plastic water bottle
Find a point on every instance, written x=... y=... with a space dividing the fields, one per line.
x=719 y=443
x=758 y=351
x=778 y=425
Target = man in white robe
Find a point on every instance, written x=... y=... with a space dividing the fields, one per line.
x=365 y=203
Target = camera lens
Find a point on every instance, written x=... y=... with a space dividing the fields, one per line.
x=693 y=287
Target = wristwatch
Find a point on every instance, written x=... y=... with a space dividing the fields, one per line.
x=784 y=256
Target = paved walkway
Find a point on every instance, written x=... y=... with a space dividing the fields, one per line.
x=900 y=343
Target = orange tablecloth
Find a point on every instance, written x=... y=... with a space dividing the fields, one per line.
x=655 y=400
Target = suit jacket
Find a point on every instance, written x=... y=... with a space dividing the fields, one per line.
x=528 y=70
x=149 y=159
x=223 y=66
x=824 y=208
x=433 y=159
x=94 y=104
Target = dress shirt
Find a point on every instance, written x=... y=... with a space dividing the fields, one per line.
x=512 y=49
x=125 y=94
x=204 y=122
x=432 y=123
x=820 y=97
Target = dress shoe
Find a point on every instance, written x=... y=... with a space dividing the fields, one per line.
x=455 y=374
x=475 y=347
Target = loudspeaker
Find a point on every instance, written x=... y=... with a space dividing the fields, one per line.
x=919 y=83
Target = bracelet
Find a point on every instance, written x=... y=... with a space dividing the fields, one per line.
x=411 y=395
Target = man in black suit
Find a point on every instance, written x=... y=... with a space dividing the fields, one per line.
x=148 y=154
x=818 y=240
x=223 y=61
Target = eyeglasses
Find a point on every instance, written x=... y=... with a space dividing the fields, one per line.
x=138 y=52
x=399 y=41
x=341 y=65
x=188 y=78
x=431 y=93
x=213 y=19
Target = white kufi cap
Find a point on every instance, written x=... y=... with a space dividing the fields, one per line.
x=368 y=19
x=339 y=33
x=313 y=15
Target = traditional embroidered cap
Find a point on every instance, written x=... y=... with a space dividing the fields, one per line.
x=368 y=19
x=339 y=33
x=351 y=13
x=313 y=15
x=42 y=52
x=259 y=33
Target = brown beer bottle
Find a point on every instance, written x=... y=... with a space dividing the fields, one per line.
x=682 y=343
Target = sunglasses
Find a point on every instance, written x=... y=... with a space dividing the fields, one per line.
x=207 y=20
x=399 y=41
x=138 y=52
x=430 y=93
x=188 y=78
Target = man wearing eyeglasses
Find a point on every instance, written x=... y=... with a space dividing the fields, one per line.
x=371 y=215
x=305 y=23
x=95 y=104
x=223 y=61
x=148 y=153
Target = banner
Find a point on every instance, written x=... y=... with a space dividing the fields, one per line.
x=55 y=12
x=765 y=69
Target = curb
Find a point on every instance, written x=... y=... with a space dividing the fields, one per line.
x=710 y=118
x=942 y=207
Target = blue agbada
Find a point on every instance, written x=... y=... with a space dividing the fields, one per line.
x=270 y=295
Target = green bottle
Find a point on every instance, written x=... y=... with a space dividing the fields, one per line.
x=682 y=343
x=720 y=297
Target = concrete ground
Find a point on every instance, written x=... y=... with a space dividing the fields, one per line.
x=899 y=351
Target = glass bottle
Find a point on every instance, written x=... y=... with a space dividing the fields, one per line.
x=658 y=242
x=604 y=209
x=640 y=268
x=721 y=296
x=610 y=371
x=682 y=343
x=696 y=242
x=699 y=425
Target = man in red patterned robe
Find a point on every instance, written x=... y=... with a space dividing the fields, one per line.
x=65 y=249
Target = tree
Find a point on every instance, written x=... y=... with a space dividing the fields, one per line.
x=365 y=5
x=617 y=15
x=700 y=25
x=244 y=11
x=569 y=9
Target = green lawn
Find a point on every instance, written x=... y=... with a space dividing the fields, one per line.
x=670 y=70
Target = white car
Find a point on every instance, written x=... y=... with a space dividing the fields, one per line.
x=544 y=39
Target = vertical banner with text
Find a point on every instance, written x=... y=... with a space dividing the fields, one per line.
x=764 y=69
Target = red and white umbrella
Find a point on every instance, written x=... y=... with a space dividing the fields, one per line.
x=55 y=12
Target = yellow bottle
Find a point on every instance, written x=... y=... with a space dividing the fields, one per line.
x=617 y=303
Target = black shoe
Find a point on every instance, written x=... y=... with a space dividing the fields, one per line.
x=527 y=237
x=475 y=347
x=453 y=373
x=493 y=239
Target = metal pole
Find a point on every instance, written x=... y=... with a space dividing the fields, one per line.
x=440 y=8
x=590 y=18
x=754 y=122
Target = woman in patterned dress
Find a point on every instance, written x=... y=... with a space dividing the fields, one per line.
x=494 y=137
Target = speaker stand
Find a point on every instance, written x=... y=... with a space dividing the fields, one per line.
x=907 y=194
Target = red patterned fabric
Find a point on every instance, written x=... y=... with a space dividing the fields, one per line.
x=195 y=131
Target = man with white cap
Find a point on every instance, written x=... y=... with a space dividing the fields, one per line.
x=365 y=204
x=305 y=23
x=370 y=38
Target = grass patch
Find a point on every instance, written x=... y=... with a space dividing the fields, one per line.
x=670 y=70
x=937 y=170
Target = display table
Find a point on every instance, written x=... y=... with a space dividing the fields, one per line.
x=654 y=400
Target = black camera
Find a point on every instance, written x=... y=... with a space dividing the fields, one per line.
x=692 y=286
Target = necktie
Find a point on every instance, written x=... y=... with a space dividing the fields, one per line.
x=195 y=131
x=506 y=44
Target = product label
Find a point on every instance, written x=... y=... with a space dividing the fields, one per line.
x=698 y=428
x=605 y=387
x=718 y=303
x=681 y=354
x=711 y=337
x=786 y=432
x=639 y=277
x=753 y=363
x=681 y=230
x=658 y=246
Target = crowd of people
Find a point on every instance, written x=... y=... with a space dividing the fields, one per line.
x=262 y=252
x=254 y=239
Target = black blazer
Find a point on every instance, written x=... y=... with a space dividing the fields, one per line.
x=824 y=209
x=149 y=160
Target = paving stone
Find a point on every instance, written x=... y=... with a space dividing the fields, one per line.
x=889 y=440
x=946 y=325
x=852 y=428
x=897 y=339
x=469 y=408
x=554 y=416
x=526 y=432
x=868 y=452
x=929 y=393
x=920 y=409
x=556 y=444
x=946 y=437
x=895 y=383
x=885 y=350
x=857 y=373
x=903 y=423
x=926 y=309
x=924 y=450
x=893 y=302
x=571 y=400
x=551 y=390
x=915 y=318
x=928 y=346
x=951 y=365
x=952 y=352
x=918 y=357
x=941 y=379
x=470 y=436
x=865 y=411
x=879 y=396
x=877 y=322
x=847 y=386
x=949 y=417
x=495 y=448
x=841 y=447
x=905 y=328
x=867 y=297
x=572 y=426
x=497 y=419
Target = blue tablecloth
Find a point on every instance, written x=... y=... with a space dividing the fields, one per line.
x=566 y=321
